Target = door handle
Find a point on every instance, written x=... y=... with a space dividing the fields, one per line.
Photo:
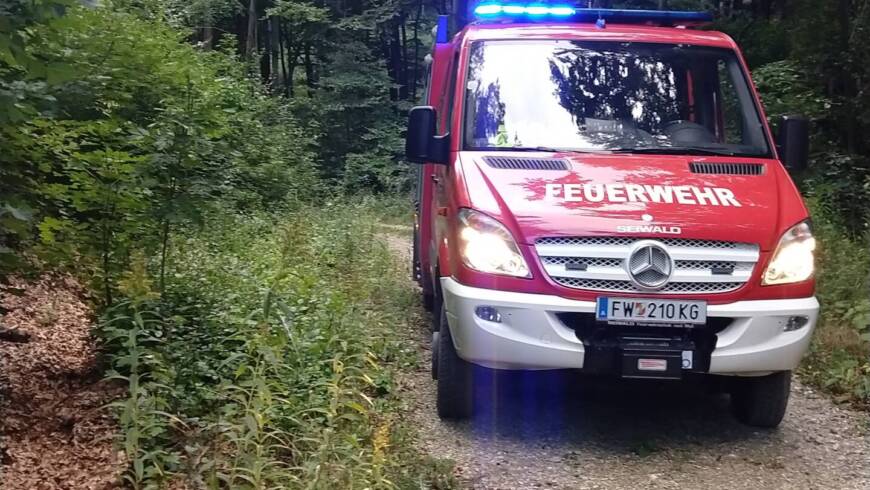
x=435 y=179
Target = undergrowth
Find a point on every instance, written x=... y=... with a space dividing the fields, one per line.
x=270 y=360
x=839 y=359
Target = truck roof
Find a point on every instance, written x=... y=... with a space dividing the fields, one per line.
x=588 y=31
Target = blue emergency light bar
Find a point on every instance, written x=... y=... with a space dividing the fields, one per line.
x=507 y=11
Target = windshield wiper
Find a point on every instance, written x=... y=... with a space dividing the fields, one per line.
x=675 y=150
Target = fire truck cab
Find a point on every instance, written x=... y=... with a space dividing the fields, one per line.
x=599 y=190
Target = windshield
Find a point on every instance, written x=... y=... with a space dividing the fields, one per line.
x=609 y=96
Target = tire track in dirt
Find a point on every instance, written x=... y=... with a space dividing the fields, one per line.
x=557 y=430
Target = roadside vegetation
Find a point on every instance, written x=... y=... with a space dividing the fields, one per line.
x=839 y=359
x=245 y=305
x=271 y=359
x=202 y=167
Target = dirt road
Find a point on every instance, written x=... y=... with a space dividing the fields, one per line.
x=555 y=430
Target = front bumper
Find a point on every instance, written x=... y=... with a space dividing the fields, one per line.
x=531 y=334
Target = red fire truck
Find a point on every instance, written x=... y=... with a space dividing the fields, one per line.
x=599 y=190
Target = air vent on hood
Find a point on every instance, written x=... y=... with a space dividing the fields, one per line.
x=726 y=168
x=516 y=163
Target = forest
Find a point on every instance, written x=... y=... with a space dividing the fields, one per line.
x=214 y=173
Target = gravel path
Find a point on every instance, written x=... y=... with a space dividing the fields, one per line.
x=557 y=430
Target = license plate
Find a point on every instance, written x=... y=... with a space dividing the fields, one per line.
x=622 y=310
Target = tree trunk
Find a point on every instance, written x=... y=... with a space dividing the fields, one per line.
x=309 y=70
x=403 y=88
x=208 y=38
x=292 y=61
x=274 y=51
x=251 y=40
x=416 y=67
x=846 y=82
x=263 y=48
x=281 y=53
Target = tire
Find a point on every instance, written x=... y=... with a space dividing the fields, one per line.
x=435 y=344
x=428 y=298
x=428 y=301
x=761 y=401
x=455 y=395
x=435 y=317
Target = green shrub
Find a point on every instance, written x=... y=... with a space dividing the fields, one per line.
x=839 y=359
x=143 y=135
x=274 y=358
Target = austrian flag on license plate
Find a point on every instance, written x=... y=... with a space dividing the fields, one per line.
x=623 y=310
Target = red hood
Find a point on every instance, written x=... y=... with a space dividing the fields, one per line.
x=611 y=194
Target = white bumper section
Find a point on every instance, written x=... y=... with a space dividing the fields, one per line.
x=531 y=336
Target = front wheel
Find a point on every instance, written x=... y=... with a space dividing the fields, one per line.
x=761 y=401
x=417 y=273
x=455 y=393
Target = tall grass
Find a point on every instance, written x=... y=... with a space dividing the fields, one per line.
x=839 y=360
x=272 y=358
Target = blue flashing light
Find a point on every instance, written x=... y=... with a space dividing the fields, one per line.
x=489 y=9
x=562 y=11
x=537 y=10
x=441 y=34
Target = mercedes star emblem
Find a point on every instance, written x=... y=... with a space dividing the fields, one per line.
x=649 y=265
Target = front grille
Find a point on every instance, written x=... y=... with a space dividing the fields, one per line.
x=621 y=240
x=712 y=264
x=717 y=168
x=519 y=163
x=598 y=264
x=628 y=287
x=581 y=261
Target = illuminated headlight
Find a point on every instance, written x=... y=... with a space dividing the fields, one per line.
x=793 y=260
x=487 y=246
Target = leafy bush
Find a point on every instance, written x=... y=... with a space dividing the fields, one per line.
x=838 y=181
x=272 y=357
x=839 y=359
x=143 y=136
x=786 y=89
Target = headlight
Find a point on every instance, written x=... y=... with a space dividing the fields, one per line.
x=487 y=246
x=793 y=260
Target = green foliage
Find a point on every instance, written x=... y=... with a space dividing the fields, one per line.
x=839 y=181
x=763 y=40
x=273 y=358
x=24 y=83
x=148 y=135
x=839 y=359
x=786 y=89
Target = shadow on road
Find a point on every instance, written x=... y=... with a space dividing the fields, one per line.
x=639 y=415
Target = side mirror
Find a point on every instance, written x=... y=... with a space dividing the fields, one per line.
x=421 y=143
x=794 y=142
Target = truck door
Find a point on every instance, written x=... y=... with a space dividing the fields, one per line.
x=422 y=207
x=440 y=173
